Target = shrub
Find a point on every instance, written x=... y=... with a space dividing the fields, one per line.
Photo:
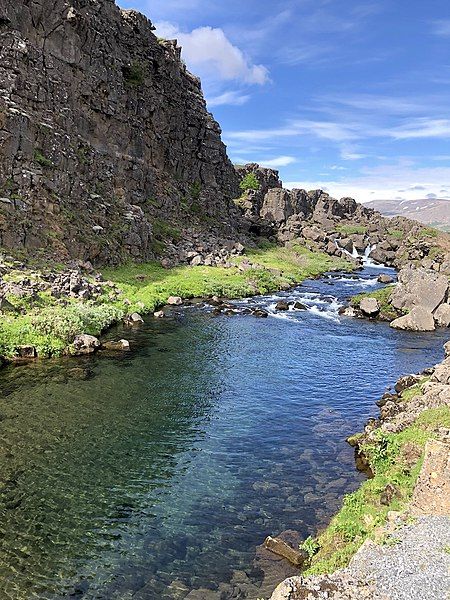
x=250 y=182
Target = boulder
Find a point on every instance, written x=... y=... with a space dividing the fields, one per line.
x=369 y=307
x=281 y=548
x=432 y=491
x=384 y=278
x=85 y=344
x=300 y=306
x=159 y=314
x=419 y=287
x=175 y=300
x=26 y=352
x=119 y=346
x=314 y=234
x=419 y=319
x=447 y=349
x=282 y=305
x=442 y=315
x=134 y=319
x=406 y=382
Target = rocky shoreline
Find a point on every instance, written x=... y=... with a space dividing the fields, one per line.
x=413 y=433
x=419 y=302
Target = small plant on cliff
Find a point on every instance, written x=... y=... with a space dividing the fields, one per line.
x=250 y=182
x=42 y=160
x=196 y=189
x=133 y=75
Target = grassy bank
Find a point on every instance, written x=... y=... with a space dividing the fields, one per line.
x=363 y=513
x=383 y=296
x=50 y=325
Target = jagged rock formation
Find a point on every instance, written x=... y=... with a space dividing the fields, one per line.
x=102 y=130
x=338 y=225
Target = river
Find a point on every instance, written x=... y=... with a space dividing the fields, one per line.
x=155 y=473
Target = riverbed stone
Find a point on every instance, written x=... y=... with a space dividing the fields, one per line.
x=384 y=278
x=134 y=319
x=282 y=305
x=85 y=344
x=174 y=301
x=419 y=319
x=118 y=346
x=26 y=351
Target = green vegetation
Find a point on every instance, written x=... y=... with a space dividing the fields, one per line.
x=163 y=230
x=148 y=286
x=50 y=326
x=196 y=190
x=350 y=229
x=249 y=182
x=396 y=233
x=414 y=390
x=383 y=295
x=311 y=546
x=362 y=513
x=42 y=160
x=430 y=232
x=133 y=74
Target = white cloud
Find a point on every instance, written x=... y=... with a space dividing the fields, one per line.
x=384 y=182
x=322 y=129
x=279 y=161
x=441 y=27
x=210 y=53
x=233 y=98
x=421 y=128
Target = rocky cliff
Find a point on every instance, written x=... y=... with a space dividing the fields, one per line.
x=103 y=131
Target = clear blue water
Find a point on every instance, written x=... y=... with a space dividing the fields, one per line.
x=161 y=473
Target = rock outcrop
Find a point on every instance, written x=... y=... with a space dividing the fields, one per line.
x=338 y=226
x=102 y=131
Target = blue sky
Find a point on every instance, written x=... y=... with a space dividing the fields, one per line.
x=350 y=96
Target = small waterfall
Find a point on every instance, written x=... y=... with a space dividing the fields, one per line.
x=365 y=257
x=367 y=261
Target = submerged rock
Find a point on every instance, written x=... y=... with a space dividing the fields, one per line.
x=120 y=346
x=281 y=548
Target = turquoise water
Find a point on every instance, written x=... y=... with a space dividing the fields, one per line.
x=158 y=473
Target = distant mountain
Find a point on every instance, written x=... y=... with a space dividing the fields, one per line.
x=435 y=212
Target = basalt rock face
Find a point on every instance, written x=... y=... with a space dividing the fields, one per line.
x=102 y=130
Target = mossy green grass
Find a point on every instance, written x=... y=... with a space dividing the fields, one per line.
x=50 y=326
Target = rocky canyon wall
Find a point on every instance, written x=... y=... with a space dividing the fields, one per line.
x=102 y=131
